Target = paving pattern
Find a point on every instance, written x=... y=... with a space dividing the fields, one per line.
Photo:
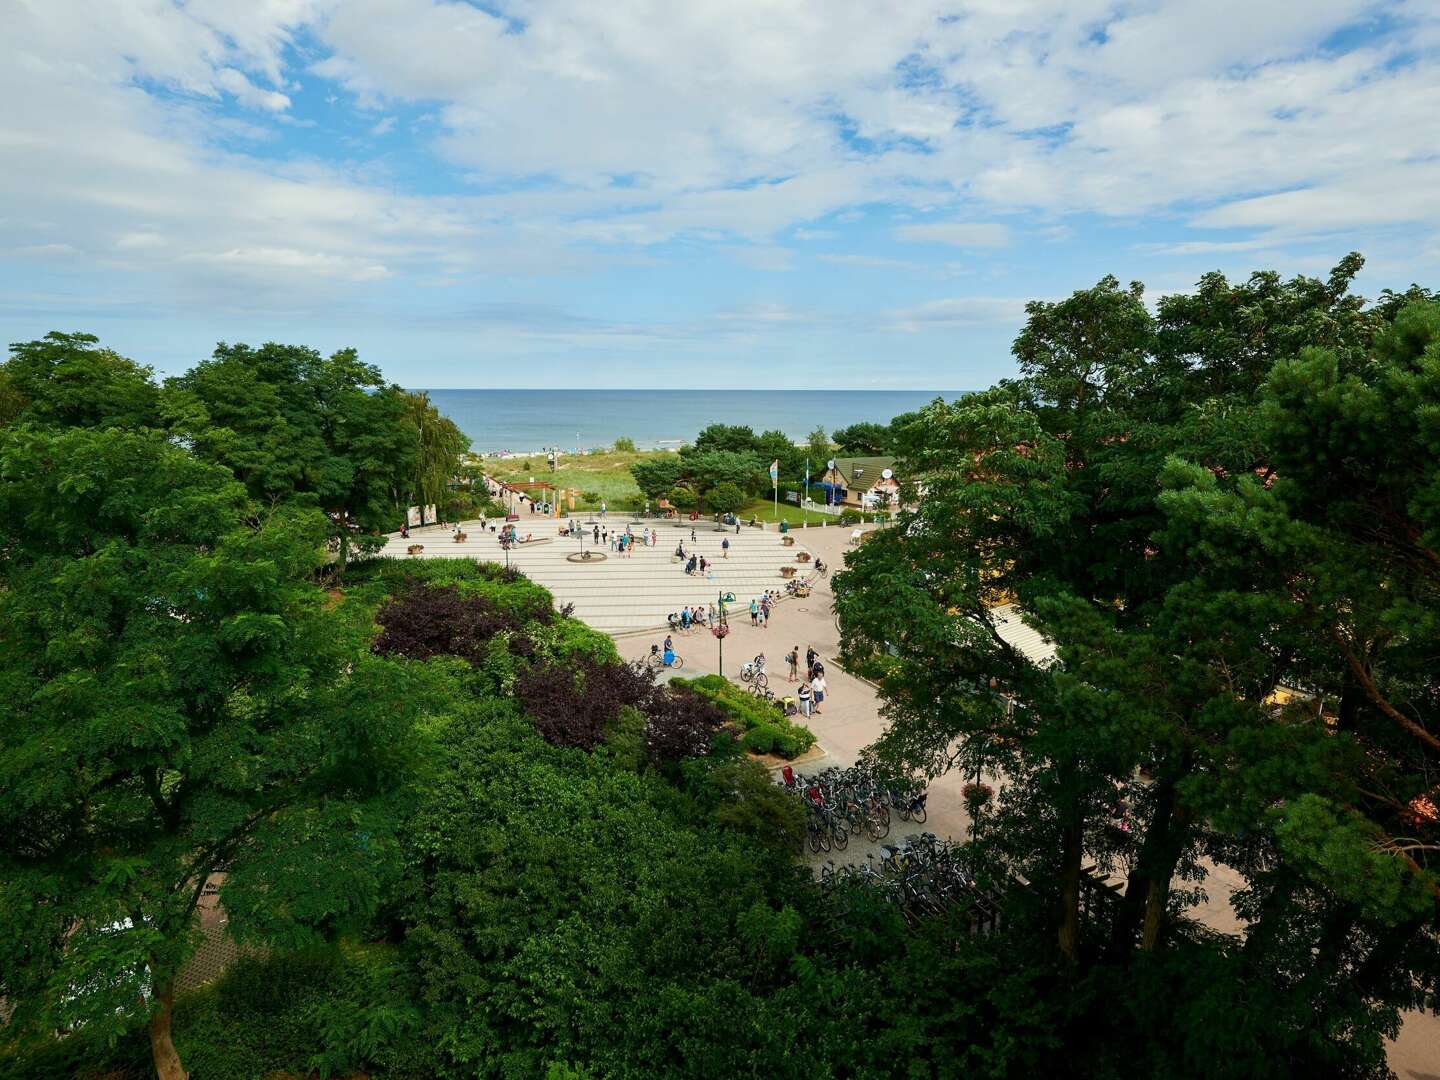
x=636 y=592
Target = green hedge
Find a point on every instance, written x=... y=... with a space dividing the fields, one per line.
x=766 y=731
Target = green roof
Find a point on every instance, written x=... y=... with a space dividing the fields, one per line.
x=863 y=471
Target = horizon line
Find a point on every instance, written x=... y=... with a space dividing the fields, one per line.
x=710 y=389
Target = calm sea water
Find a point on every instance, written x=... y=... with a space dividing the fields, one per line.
x=525 y=420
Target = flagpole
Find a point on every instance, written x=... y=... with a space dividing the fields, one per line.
x=805 y=506
x=775 y=485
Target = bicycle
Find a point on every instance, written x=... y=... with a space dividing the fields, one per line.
x=656 y=662
x=754 y=671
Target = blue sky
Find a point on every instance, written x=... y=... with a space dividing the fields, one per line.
x=717 y=193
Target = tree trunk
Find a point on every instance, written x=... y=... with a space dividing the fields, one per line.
x=162 y=1047
x=1267 y=928
x=1147 y=893
x=1157 y=896
x=1071 y=855
x=1133 y=903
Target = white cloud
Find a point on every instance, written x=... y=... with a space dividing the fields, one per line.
x=247 y=93
x=956 y=233
x=593 y=131
x=957 y=312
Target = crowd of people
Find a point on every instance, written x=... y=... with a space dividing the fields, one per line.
x=812 y=690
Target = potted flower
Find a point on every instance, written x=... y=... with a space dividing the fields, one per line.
x=977 y=796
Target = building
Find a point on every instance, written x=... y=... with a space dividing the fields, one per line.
x=864 y=483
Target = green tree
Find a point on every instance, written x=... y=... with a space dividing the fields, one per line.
x=67 y=380
x=863 y=439
x=181 y=702
x=735 y=438
x=725 y=498
x=295 y=426
x=777 y=446
x=655 y=476
x=624 y=445
x=819 y=445
x=1272 y=557
x=439 y=446
x=711 y=468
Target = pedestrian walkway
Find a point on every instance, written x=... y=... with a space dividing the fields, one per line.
x=635 y=592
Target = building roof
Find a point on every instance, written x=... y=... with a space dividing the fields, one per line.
x=862 y=472
x=1021 y=636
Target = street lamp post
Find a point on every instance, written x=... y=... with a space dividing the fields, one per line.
x=720 y=629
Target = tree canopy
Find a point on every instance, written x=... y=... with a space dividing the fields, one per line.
x=1219 y=514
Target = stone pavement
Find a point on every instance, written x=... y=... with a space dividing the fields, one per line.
x=621 y=595
x=849 y=719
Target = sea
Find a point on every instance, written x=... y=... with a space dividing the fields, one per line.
x=522 y=421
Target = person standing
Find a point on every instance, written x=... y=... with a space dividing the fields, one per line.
x=754 y=611
x=597 y=534
x=793 y=659
x=737 y=526
x=817 y=690
x=804 y=695
x=765 y=611
x=810 y=655
x=724 y=547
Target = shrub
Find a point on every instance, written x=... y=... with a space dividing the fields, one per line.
x=681 y=724
x=574 y=704
x=624 y=445
x=851 y=517
x=761 y=739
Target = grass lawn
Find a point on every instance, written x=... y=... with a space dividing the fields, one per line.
x=607 y=474
x=765 y=511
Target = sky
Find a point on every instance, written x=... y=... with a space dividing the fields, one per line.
x=778 y=194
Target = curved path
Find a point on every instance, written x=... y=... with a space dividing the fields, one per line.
x=637 y=592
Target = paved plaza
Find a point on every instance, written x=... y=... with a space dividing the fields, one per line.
x=635 y=592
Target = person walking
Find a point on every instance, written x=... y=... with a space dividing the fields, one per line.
x=597 y=534
x=810 y=655
x=793 y=659
x=724 y=547
x=817 y=690
x=765 y=611
x=703 y=564
x=737 y=526
x=804 y=695
x=754 y=611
